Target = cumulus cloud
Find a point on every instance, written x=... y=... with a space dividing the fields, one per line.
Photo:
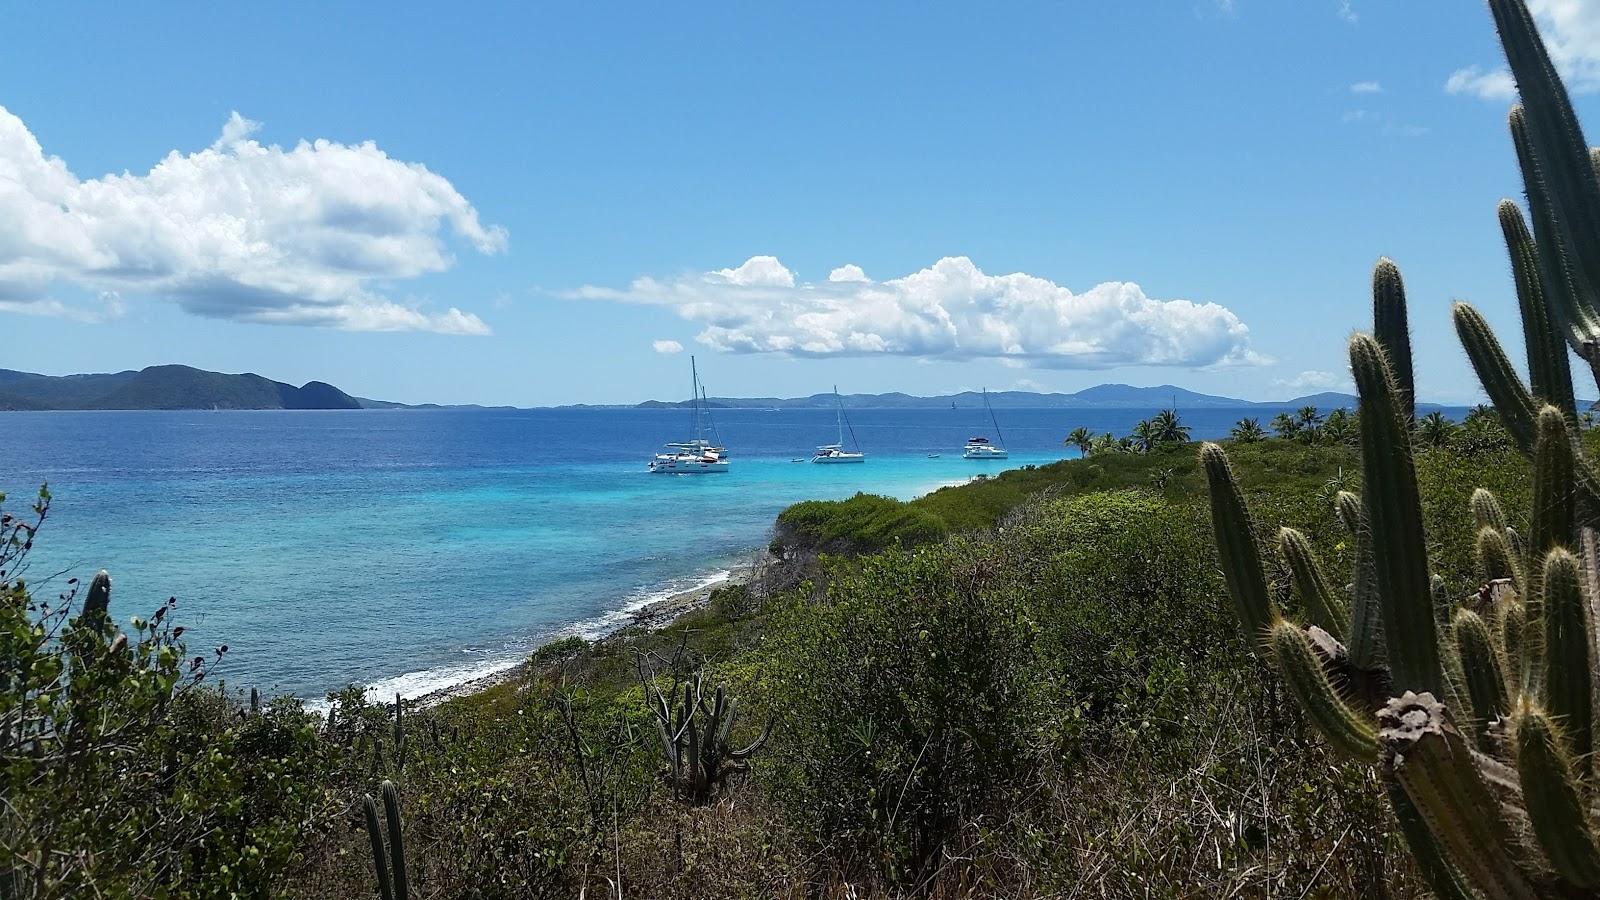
x=1571 y=30
x=667 y=346
x=1312 y=382
x=238 y=230
x=949 y=310
x=1366 y=87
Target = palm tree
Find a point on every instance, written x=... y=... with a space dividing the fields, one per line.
x=1082 y=438
x=1285 y=425
x=1434 y=430
x=1248 y=431
x=1168 y=429
x=1104 y=444
x=1339 y=427
x=1309 y=419
x=1143 y=436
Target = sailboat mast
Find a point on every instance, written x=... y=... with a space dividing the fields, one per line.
x=694 y=398
x=992 y=420
x=838 y=406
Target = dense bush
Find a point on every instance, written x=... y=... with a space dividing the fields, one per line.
x=861 y=524
x=910 y=704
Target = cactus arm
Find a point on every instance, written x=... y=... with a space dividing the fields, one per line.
x=1346 y=730
x=1554 y=510
x=1394 y=514
x=380 y=855
x=1236 y=545
x=1389 y=327
x=1500 y=381
x=1487 y=512
x=1496 y=560
x=757 y=744
x=1366 y=623
x=1565 y=312
x=1431 y=762
x=397 y=840
x=1567 y=683
x=1442 y=878
x=1558 y=148
x=1483 y=669
x=1550 y=787
x=1324 y=607
x=97 y=603
x=1549 y=373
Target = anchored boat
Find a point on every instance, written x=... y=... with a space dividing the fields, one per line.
x=698 y=455
x=835 y=452
x=981 y=447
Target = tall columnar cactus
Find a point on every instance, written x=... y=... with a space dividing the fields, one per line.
x=1484 y=729
x=388 y=861
x=695 y=738
x=1391 y=330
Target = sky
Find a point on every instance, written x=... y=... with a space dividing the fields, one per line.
x=537 y=205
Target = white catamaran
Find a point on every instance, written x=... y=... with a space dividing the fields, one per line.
x=698 y=455
x=835 y=452
x=980 y=447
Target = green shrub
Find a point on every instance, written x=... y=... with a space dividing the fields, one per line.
x=909 y=704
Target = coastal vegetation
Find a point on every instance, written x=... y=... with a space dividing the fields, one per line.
x=1034 y=684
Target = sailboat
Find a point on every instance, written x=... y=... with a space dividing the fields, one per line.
x=835 y=452
x=697 y=455
x=980 y=447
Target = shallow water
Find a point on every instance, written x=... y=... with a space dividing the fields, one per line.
x=411 y=549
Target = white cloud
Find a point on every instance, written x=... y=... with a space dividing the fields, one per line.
x=1495 y=85
x=667 y=346
x=1348 y=13
x=238 y=230
x=1366 y=87
x=950 y=310
x=1314 y=382
x=1571 y=30
x=848 y=272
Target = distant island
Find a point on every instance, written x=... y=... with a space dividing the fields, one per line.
x=174 y=387
x=1101 y=396
x=185 y=387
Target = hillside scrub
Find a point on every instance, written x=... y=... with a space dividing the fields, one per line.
x=1059 y=702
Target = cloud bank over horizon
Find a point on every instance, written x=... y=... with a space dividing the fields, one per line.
x=951 y=310
x=238 y=230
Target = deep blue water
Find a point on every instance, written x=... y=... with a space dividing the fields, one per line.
x=406 y=549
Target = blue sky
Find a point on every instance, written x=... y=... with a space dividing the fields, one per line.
x=549 y=188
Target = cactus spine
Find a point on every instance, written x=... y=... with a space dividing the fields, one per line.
x=389 y=862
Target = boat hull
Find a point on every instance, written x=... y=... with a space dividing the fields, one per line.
x=836 y=460
x=984 y=454
x=688 y=468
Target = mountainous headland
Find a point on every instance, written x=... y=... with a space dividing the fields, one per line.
x=184 y=387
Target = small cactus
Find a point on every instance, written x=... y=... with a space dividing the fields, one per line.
x=700 y=757
x=388 y=861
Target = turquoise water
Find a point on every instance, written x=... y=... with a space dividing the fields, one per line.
x=407 y=550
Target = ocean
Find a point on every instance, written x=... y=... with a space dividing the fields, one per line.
x=408 y=550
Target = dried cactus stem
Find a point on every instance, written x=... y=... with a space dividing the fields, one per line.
x=1432 y=763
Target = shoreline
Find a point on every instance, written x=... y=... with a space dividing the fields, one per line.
x=652 y=616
